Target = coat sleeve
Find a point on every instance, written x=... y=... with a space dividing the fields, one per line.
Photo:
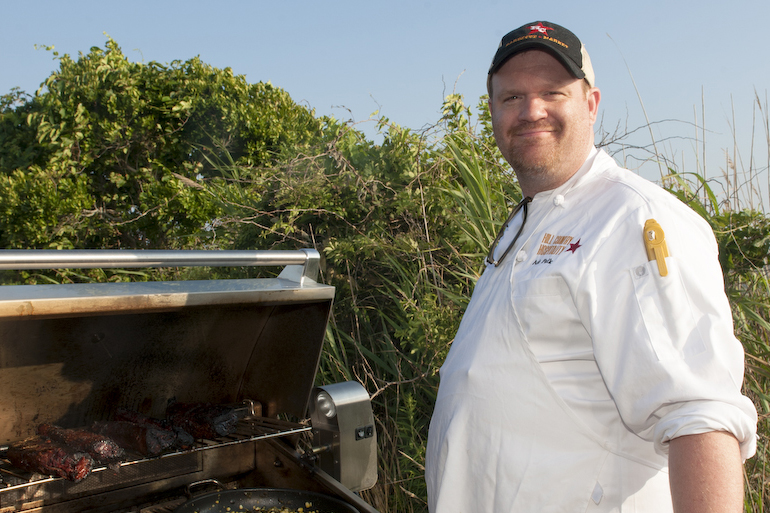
x=665 y=345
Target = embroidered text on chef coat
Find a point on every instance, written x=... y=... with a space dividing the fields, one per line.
x=554 y=245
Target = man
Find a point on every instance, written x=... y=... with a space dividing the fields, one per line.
x=595 y=368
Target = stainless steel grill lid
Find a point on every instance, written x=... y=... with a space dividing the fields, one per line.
x=71 y=354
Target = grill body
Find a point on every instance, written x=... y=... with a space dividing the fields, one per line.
x=73 y=354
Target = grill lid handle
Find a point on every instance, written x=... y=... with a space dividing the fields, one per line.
x=301 y=265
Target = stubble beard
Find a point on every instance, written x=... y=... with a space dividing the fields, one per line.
x=534 y=161
x=543 y=165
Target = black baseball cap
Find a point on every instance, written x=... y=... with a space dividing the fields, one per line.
x=560 y=42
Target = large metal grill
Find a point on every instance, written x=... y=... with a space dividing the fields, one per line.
x=72 y=354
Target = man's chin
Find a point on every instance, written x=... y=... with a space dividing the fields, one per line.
x=532 y=162
x=527 y=169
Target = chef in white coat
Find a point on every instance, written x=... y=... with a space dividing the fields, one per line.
x=595 y=369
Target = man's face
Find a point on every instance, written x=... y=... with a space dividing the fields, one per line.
x=542 y=118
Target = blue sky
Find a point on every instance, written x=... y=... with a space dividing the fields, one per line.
x=352 y=58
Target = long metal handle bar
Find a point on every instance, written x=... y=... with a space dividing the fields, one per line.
x=300 y=265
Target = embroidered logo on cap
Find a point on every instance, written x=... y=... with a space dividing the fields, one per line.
x=539 y=28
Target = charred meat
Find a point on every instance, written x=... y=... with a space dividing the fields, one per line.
x=142 y=439
x=50 y=458
x=101 y=447
x=183 y=439
x=127 y=415
x=203 y=420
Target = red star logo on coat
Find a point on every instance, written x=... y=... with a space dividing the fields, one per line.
x=573 y=247
x=540 y=28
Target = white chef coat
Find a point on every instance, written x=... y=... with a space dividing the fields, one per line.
x=576 y=362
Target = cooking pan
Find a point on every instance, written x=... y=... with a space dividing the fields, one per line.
x=252 y=499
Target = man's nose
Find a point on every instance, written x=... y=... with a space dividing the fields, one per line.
x=532 y=109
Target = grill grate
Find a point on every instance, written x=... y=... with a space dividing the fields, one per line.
x=140 y=469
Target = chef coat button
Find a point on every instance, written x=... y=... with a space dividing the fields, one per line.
x=521 y=255
x=640 y=271
x=558 y=200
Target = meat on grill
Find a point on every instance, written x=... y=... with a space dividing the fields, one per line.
x=101 y=447
x=183 y=439
x=134 y=416
x=145 y=440
x=50 y=458
x=203 y=420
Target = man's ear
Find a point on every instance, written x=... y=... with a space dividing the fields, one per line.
x=593 y=96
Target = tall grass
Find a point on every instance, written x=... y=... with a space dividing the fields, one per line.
x=406 y=255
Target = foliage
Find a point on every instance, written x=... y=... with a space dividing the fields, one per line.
x=114 y=154
x=121 y=141
x=380 y=216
